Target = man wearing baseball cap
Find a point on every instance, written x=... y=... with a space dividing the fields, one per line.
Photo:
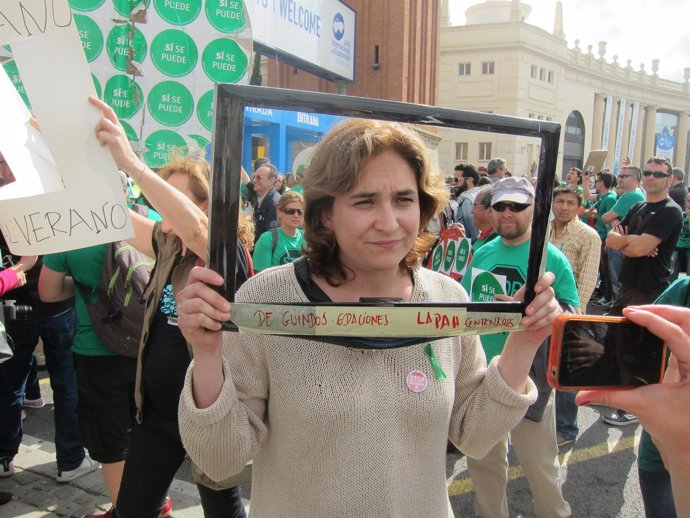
x=500 y=268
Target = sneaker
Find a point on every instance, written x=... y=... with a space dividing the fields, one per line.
x=86 y=466
x=166 y=510
x=561 y=440
x=6 y=467
x=34 y=403
x=107 y=514
x=619 y=418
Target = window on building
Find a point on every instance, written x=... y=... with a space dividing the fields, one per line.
x=549 y=119
x=542 y=74
x=533 y=72
x=485 y=151
x=461 y=151
x=464 y=69
x=531 y=115
x=488 y=68
x=550 y=76
x=540 y=117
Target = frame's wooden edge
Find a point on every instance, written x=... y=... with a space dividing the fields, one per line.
x=230 y=101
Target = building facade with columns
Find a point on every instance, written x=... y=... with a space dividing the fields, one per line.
x=498 y=62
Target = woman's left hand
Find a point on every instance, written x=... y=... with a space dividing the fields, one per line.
x=541 y=312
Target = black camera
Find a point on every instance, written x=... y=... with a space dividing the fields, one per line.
x=14 y=311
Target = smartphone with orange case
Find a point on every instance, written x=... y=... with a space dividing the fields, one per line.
x=591 y=351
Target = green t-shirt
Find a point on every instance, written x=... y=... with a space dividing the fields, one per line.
x=627 y=200
x=85 y=265
x=496 y=259
x=287 y=249
x=604 y=204
x=648 y=457
x=481 y=241
x=684 y=238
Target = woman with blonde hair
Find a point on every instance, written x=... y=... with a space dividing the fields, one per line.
x=180 y=194
x=345 y=431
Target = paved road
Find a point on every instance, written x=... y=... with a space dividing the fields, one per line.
x=600 y=477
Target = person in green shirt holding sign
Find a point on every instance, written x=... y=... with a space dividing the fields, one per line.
x=498 y=269
x=606 y=199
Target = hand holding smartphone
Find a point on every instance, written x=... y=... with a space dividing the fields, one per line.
x=590 y=352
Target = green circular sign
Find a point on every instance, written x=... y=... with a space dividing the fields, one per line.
x=170 y=103
x=201 y=141
x=463 y=256
x=123 y=40
x=129 y=131
x=125 y=7
x=123 y=95
x=12 y=72
x=204 y=110
x=226 y=15
x=224 y=61
x=178 y=12
x=449 y=258
x=438 y=258
x=160 y=144
x=97 y=85
x=485 y=287
x=85 y=5
x=174 y=53
x=90 y=35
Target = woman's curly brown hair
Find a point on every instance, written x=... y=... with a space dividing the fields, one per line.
x=336 y=168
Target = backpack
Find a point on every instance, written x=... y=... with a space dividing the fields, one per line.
x=117 y=316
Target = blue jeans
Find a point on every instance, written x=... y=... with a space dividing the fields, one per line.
x=566 y=415
x=57 y=333
x=657 y=494
x=615 y=260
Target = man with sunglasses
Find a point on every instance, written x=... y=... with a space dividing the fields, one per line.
x=499 y=268
x=263 y=197
x=647 y=238
x=629 y=181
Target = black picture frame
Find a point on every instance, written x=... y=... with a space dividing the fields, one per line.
x=230 y=102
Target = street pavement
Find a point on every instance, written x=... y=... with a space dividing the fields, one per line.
x=599 y=475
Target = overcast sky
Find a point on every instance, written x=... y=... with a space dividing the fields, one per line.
x=640 y=30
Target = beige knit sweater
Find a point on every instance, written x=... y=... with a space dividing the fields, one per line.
x=335 y=431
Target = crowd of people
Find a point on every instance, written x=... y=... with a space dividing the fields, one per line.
x=319 y=422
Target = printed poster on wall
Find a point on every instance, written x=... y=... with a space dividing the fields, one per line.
x=155 y=62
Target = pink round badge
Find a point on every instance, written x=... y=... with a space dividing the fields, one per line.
x=416 y=381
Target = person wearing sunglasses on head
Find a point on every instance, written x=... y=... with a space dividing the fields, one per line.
x=647 y=238
x=498 y=269
x=284 y=244
x=628 y=181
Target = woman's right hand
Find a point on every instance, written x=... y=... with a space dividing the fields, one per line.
x=200 y=311
x=661 y=408
x=110 y=132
